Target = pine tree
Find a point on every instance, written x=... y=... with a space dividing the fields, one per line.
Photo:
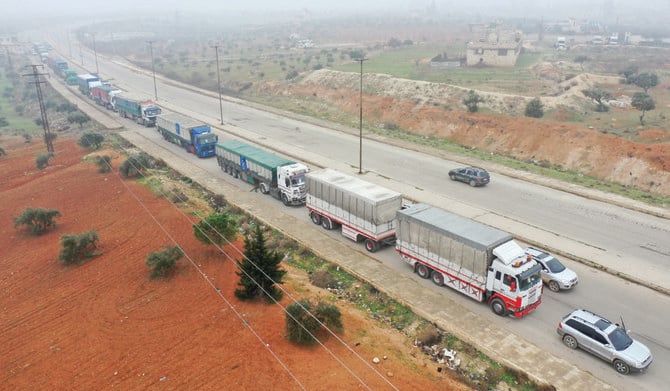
x=259 y=270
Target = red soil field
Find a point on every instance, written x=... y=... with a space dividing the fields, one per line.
x=104 y=324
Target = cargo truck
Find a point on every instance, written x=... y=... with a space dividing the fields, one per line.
x=103 y=94
x=282 y=178
x=86 y=81
x=365 y=211
x=70 y=77
x=136 y=107
x=195 y=136
x=477 y=260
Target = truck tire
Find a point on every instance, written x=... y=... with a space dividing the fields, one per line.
x=284 y=199
x=498 y=307
x=316 y=218
x=371 y=245
x=264 y=188
x=437 y=278
x=326 y=223
x=422 y=270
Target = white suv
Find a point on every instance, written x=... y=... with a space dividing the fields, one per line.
x=554 y=273
x=602 y=338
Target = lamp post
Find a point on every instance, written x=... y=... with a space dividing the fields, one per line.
x=360 y=121
x=218 y=79
x=95 y=54
x=153 y=70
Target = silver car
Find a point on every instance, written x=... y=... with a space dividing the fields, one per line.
x=554 y=273
x=604 y=339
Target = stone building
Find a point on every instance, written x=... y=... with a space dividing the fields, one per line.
x=498 y=48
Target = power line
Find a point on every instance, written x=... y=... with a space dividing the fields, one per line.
x=344 y=365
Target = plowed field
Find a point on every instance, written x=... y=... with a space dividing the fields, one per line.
x=104 y=324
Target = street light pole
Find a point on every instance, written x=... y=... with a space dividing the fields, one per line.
x=153 y=70
x=360 y=121
x=218 y=79
x=95 y=54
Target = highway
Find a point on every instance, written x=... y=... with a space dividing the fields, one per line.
x=623 y=239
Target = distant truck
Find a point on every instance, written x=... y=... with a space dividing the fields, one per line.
x=282 y=178
x=136 y=107
x=70 y=77
x=365 y=211
x=103 y=95
x=477 y=260
x=195 y=136
x=87 y=81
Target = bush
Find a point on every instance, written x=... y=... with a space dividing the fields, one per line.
x=104 y=163
x=217 y=228
x=37 y=219
x=42 y=160
x=323 y=279
x=136 y=165
x=91 y=140
x=77 y=247
x=472 y=100
x=162 y=263
x=535 y=108
x=305 y=322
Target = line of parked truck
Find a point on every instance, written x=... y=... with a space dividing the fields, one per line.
x=477 y=260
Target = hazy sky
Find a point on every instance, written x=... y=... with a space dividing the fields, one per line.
x=614 y=10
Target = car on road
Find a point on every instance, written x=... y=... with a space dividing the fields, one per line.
x=553 y=273
x=604 y=339
x=474 y=176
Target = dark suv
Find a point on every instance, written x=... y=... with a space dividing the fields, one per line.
x=604 y=339
x=474 y=176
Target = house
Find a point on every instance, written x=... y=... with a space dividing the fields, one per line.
x=499 y=48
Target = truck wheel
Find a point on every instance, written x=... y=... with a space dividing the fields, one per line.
x=553 y=286
x=264 y=188
x=316 y=218
x=284 y=199
x=371 y=245
x=326 y=223
x=422 y=270
x=437 y=278
x=498 y=307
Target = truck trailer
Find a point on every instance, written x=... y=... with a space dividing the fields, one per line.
x=70 y=77
x=271 y=174
x=87 y=81
x=103 y=94
x=475 y=259
x=136 y=107
x=365 y=211
x=195 y=136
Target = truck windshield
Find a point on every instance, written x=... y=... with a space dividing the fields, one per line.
x=529 y=278
x=209 y=138
x=298 y=180
x=153 y=111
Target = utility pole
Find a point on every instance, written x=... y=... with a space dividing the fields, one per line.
x=95 y=54
x=218 y=79
x=360 y=121
x=153 y=70
x=48 y=140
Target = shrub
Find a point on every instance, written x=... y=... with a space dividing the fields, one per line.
x=323 y=279
x=41 y=161
x=217 y=228
x=305 y=321
x=104 y=163
x=162 y=263
x=472 y=100
x=136 y=165
x=535 y=108
x=37 y=219
x=91 y=140
x=77 y=247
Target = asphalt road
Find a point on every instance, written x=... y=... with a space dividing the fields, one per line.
x=512 y=204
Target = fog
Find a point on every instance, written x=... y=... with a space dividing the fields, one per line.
x=25 y=13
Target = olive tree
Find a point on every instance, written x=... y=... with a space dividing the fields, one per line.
x=162 y=263
x=91 y=140
x=644 y=103
x=217 y=228
x=75 y=248
x=306 y=321
x=38 y=220
x=472 y=101
x=599 y=96
x=535 y=108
